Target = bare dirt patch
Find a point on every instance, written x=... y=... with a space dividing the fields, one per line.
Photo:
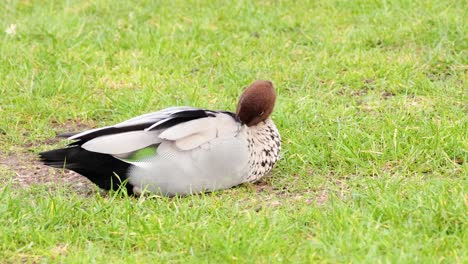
x=28 y=171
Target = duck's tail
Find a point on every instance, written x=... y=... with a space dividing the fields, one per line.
x=104 y=170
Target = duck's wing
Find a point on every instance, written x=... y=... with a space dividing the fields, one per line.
x=150 y=121
x=188 y=127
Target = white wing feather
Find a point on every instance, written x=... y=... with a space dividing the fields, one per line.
x=193 y=141
x=189 y=128
x=191 y=134
x=123 y=142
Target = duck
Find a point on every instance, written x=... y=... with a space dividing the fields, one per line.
x=178 y=150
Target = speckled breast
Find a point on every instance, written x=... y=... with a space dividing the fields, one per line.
x=264 y=146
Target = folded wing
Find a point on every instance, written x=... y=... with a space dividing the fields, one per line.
x=187 y=127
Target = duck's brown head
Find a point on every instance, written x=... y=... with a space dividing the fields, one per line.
x=256 y=103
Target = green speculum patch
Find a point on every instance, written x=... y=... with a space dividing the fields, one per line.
x=142 y=154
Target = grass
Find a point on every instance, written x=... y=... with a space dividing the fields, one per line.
x=371 y=107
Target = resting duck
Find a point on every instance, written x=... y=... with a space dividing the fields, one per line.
x=179 y=150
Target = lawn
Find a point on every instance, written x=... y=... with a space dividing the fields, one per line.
x=372 y=109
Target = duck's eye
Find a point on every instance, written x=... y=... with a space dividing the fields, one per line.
x=261 y=113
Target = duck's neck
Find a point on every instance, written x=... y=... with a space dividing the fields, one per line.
x=264 y=147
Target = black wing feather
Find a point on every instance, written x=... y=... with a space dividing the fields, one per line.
x=104 y=170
